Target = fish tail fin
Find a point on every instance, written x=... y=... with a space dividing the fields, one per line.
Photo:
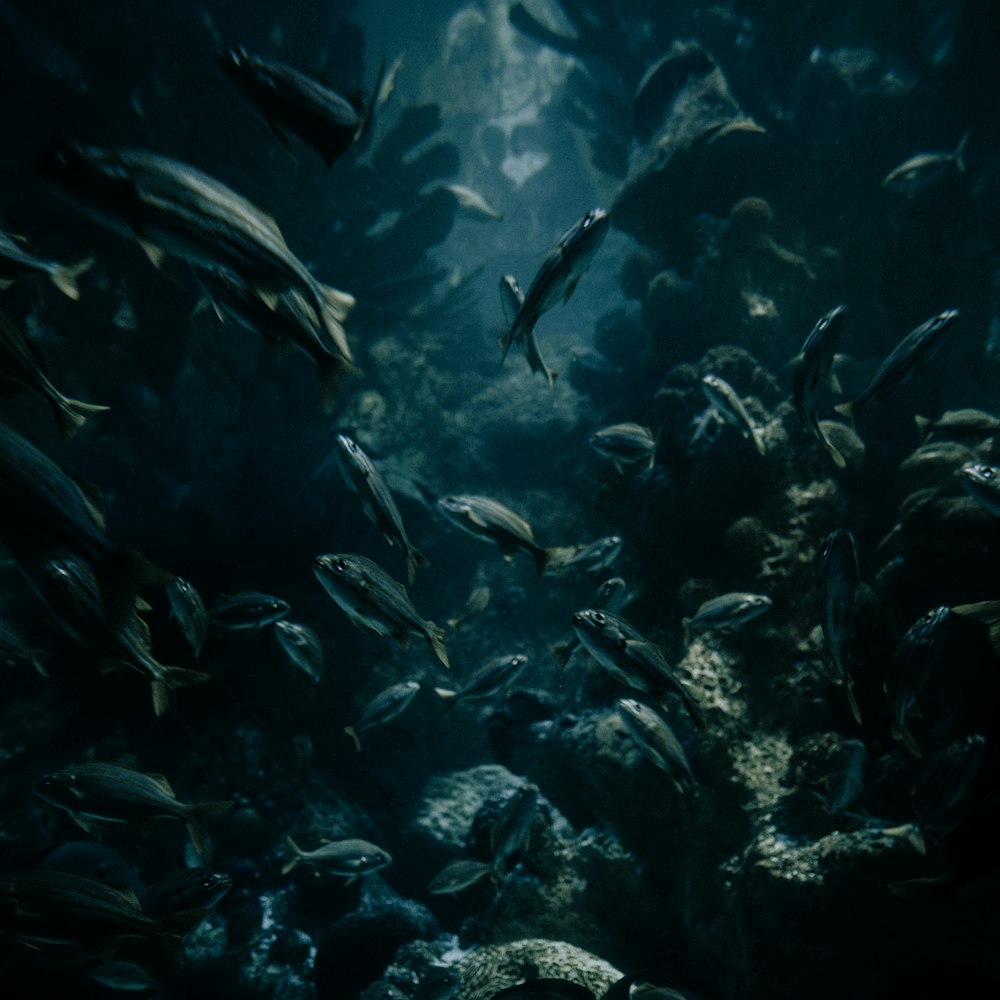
x=296 y=856
x=924 y=425
x=119 y=581
x=901 y=733
x=355 y=736
x=64 y=276
x=336 y=304
x=414 y=560
x=855 y=711
x=959 y=154
x=848 y=410
x=200 y=841
x=435 y=636
x=758 y=440
x=72 y=414
x=447 y=696
x=909 y=832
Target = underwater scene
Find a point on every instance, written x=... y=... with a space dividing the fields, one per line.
x=500 y=499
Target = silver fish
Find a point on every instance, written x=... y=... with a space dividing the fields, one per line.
x=351 y=857
x=657 y=741
x=16 y=262
x=729 y=405
x=594 y=557
x=473 y=201
x=373 y=600
x=512 y=829
x=625 y=444
x=631 y=658
x=172 y=208
x=489 y=520
x=246 y=611
x=188 y=610
x=609 y=596
x=459 y=875
x=383 y=708
x=727 y=612
x=813 y=371
x=560 y=272
x=376 y=501
x=914 y=174
x=912 y=351
x=982 y=483
x=838 y=584
x=512 y=298
x=492 y=678
x=957 y=425
x=302 y=646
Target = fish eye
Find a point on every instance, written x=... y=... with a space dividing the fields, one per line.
x=599 y=618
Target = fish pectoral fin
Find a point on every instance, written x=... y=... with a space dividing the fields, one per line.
x=161 y=782
x=156 y=255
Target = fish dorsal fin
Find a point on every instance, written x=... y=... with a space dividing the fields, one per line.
x=161 y=782
x=156 y=255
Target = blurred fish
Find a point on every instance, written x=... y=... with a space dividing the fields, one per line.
x=813 y=371
x=351 y=857
x=99 y=794
x=126 y=977
x=172 y=208
x=15 y=649
x=475 y=603
x=492 y=678
x=384 y=707
x=916 y=658
x=595 y=557
x=914 y=174
x=49 y=911
x=473 y=201
x=635 y=986
x=982 y=483
x=41 y=507
x=16 y=263
x=488 y=519
x=911 y=352
x=545 y=989
x=68 y=587
x=281 y=319
x=729 y=405
x=291 y=101
x=188 y=610
x=302 y=646
x=246 y=611
x=631 y=658
x=657 y=741
x=456 y=876
x=181 y=901
x=512 y=829
x=96 y=861
x=373 y=600
x=512 y=298
x=727 y=612
x=376 y=501
x=625 y=444
x=838 y=579
x=560 y=272
x=958 y=425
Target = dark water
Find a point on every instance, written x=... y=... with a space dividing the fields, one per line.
x=216 y=461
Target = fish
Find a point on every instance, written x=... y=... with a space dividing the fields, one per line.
x=384 y=707
x=982 y=483
x=22 y=363
x=609 y=596
x=488 y=519
x=560 y=272
x=188 y=610
x=302 y=646
x=625 y=444
x=913 y=662
x=495 y=676
x=456 y=876
x=916 y=173
x=730 y=407
x=351 y=856
x=594 y=557
x=43 y=508
x=657 y=741
x=247 y=611
x=475 y=603
x=47 y=908
x=727 y=612
x=292 y=101
x=126 y=977
x=957 y=425
x=376 y=501
x=68 y=587
x=838 y=579
x=813 y=371
x=374 y=600
x=512 y=829
x=911 y=352
x=545 y=989
x=172 y=208
x=631 y=658
x=14 y=648
x=512 y=298
x=281 y=319
x=181 y=901
x=473 y=201
x=16 y=262
x=96 y=795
